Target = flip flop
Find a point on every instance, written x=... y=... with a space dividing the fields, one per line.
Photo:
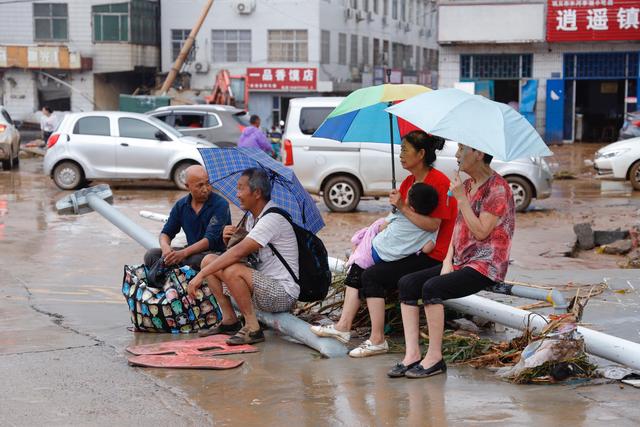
x=211 y=346
x=184 y=362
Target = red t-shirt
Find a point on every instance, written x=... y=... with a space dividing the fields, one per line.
x=446 y=210
x=489 y=257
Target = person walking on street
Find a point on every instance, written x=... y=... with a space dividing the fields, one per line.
x=47 y=123
x=253 y=137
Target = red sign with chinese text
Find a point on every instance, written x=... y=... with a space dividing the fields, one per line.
x=593 y=20
x=280 y=79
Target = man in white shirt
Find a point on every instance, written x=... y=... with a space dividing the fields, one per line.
x=47 y=123
x=267 y=287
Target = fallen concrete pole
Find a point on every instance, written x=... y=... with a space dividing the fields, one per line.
x=597 y=343
x=93 y=199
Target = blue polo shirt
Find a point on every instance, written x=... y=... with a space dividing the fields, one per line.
x=209 y=222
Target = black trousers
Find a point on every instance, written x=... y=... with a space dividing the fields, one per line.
x=433 y=288
x=193 y=261
x=380 y=279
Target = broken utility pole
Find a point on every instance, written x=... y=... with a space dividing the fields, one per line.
x=186 y=48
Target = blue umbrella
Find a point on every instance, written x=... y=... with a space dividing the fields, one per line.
x=225 y=166
x=472 y=120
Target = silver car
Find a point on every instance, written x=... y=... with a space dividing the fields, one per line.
x=218 y=124
x=9 y=141
x=345 y=172
x=118 y=145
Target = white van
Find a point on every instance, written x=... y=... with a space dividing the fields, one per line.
x=345 y=172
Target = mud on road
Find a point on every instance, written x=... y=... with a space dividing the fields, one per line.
x=65 y=325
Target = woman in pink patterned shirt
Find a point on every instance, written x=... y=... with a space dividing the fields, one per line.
x=478 y=257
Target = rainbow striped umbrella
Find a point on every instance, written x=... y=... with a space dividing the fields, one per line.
x=361 y=117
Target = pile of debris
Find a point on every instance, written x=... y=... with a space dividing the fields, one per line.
x=613 y=242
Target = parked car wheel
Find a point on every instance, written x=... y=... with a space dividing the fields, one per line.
x=180 y=174
x=68 y=175
x=634 y=175
x=341 y=193
x=522 y=192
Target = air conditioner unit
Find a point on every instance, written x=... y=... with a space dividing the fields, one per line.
x=399 y=25
x=359 y=16
x=348 y=13
x=245 y=7
x=201 y=67
x=421 y=33
x=407 y=27
x=370 y=16
x=385 y=22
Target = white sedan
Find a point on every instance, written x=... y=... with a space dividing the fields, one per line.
x=9 y=141
x=118 y=145
x=620 y=161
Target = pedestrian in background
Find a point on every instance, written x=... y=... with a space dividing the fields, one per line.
x=253 y=137
x=47 y=123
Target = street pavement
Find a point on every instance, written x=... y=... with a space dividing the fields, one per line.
x=64 y=331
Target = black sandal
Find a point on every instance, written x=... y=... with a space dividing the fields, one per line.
x=246 y=336
x=419 y=371
x=400 y=369
x=231 y=329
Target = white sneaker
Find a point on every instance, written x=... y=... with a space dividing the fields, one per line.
x=332 y=332
x=367 y=349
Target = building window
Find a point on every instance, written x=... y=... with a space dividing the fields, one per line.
x=403 y=10
x=178 y=38
x=353 y=57
x=325 y=47
x=342 y=49
x=418 y=57
x=376 y=5
x=385 y=53
x=365 y=50
x=288 y=45
x=144 y=22
x=385 y=7
x=231 y=45
x=377 y=55
x=50 y=21
x=505 y=66
x=135 y=21
x=365 y=5
x=394 y=9
x=111 y=22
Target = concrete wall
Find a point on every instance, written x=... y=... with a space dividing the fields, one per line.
x=20 y=94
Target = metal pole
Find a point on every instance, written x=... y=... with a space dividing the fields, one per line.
x=393 y=155
x=552 y=296
x=186 y=48
x=117 y=218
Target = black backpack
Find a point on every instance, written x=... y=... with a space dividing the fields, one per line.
x=315 y=276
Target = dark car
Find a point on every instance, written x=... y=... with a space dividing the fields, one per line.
x=631 y=126
x=218 y=124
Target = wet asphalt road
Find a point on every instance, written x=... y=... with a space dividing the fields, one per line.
x=64 y=329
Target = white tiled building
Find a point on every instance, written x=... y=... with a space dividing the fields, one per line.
x=99 y=48
x=576 y=90
x=343 y=41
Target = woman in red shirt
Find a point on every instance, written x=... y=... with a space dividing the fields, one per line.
x=417 y=155
x=478 y=257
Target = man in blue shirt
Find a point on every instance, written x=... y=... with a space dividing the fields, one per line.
x=202 y=214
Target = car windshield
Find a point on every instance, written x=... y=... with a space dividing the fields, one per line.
x=165 y=127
